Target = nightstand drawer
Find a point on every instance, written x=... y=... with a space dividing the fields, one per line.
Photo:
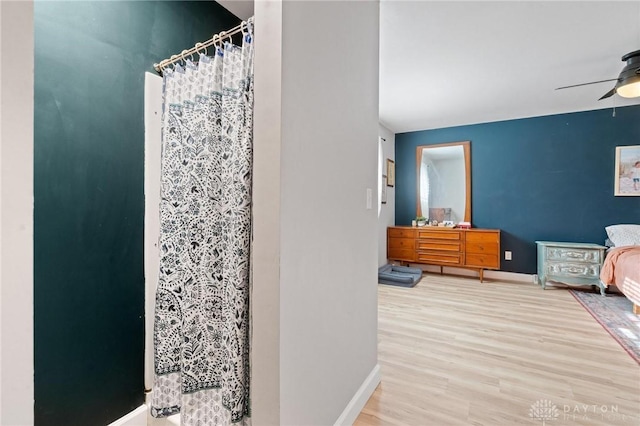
x=573 y=255
x=566 y=269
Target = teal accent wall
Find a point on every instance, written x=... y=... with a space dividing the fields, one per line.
x=542 y=178
x=90 y=60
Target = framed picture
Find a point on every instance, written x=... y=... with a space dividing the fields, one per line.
x=391 y=172
x=383 y=196
x=627 y=171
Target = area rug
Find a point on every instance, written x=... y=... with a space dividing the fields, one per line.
x=614 y=313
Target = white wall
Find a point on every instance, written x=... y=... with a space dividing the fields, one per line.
x=328 y=284
x=265 y=295
x=152 y=178
x=323 y=162
x=388 y=212
x=16 y=223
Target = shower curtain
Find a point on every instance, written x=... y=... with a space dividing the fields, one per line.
x=201 y=324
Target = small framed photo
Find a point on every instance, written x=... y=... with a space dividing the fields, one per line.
x=391 y=172
x=383 y=196
x=627 y=171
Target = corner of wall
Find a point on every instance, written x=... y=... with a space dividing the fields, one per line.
x=16 y=225
x=265 y=296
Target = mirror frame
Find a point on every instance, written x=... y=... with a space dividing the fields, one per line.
x=466 y=147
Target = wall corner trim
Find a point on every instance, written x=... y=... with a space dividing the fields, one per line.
x=360 y=398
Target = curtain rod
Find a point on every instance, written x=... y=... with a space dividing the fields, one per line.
x=195 y=49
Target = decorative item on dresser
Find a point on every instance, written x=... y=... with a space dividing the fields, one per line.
x=574 y=264
x=476 y=248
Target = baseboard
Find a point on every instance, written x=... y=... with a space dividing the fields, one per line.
x=510 y=276
x=137 y=417
x=489 y=274
x=360 y=398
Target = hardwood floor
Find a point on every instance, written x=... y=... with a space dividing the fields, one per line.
x=454 y=351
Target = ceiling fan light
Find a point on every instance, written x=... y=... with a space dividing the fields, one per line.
x=628 y=85
x=629 y=88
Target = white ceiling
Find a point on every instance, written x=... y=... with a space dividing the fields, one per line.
x=243 y=9
x=452 y=63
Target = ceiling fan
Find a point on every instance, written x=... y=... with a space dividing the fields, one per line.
x=627 y=83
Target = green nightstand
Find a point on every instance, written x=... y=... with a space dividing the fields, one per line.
x=574 y=264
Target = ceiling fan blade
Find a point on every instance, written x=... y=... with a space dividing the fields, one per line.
x=608 y=94
x=585 y=84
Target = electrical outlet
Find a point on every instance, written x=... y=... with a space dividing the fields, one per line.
x=507 y=255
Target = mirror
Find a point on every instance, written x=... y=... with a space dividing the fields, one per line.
x=444 y=181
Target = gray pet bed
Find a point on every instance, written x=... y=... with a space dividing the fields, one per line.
x=403 y=276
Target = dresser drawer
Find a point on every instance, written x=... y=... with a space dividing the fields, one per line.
x=439 y=245
x=439 y=235
x=573 y=255
x=489 y=261
x=405 y=243
x=482 y=236
x=565 y=269
x=482 y=248
x=439 y=258
x=407 y=255
x=401 y=233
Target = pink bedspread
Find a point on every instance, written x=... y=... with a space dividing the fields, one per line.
x=622 y=268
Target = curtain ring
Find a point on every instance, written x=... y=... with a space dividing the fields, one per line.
x=184 y=52
x=198 y=46
x=173 y=61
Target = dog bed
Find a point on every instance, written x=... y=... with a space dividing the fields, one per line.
x=403 y=276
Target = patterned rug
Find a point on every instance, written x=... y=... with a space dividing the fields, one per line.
x=614 y=313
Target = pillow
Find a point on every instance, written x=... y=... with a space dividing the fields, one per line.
x=624 y=235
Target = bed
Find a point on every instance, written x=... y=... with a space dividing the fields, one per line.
x=622 y=264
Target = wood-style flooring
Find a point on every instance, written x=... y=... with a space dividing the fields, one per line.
x=454 y=351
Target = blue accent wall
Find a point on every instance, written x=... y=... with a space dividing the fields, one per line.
x=541 y=178
x=90 y=60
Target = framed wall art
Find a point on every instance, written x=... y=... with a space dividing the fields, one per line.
x=391 y=172
x=627 y=171
x=383 y=195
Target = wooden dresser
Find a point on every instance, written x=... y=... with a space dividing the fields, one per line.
x=462 y=248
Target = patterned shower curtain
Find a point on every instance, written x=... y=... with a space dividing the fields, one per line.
x=201 y=331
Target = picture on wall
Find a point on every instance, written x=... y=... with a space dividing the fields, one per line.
x=391 y=172
x=383 y=195
x=627 y=171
